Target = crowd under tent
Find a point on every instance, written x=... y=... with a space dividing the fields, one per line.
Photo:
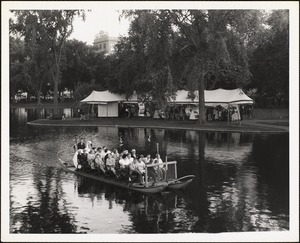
x=213 y=98
x=107 y=102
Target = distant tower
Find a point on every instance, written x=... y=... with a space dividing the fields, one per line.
x=105 y=43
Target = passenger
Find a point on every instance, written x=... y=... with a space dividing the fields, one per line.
x=161 y=168
x=143 y=158
x=102 y=153
x=147 y=159
x=98 y=150
x=91 y=155
x=116 y=154
x=99 y=164
x=123 y=162
x=84 y=160
x=141 y=169
x=152 y=173
x=125 y=152
x=79 y=159
x=133 y=153
x=89 y=146
x=91 y=159
x=123 y=172
x=110 y=164
x=134 y=173
x=129 y=159
x=81 y=144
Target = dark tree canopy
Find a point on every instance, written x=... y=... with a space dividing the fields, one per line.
x=165 y=50
x=46 y=31
x=270 y=61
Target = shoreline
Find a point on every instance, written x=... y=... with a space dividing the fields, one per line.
x=246 y=126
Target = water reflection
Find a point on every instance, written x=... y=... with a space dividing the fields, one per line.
x=45 y=210
x=242 y=183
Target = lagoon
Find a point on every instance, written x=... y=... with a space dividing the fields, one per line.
x=241 y=185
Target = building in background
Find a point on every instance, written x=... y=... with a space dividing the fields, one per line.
x=105 y=43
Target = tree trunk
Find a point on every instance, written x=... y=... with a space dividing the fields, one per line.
x=38 y=94
x=55 y=95
x=202 y=118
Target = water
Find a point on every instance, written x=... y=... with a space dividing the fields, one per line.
x=242 y=183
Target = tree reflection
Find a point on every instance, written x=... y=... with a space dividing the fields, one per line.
x=47 y=212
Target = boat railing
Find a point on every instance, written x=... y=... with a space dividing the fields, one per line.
x=166 y=164
x=163 y=163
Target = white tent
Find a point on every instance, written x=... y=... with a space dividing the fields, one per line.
x=107 y=102
x=102 y=97
x=215 y=97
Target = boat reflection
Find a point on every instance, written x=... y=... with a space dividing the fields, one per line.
x=157 y=213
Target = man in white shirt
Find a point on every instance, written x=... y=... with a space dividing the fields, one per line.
x=123 y=161
x=134 y=171
x=128 y=159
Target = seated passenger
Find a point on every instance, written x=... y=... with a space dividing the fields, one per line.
x=77 y=161
x=102 y=152
x=91 y=159
x=110 y=164
x=141 y=168
x=151 y=171
x=123 y=172
x=133 y=153
x=99 y=164
x=122 y=162
x=116 y=154
x=84 y=161
x=134 y=173
x=128 y=159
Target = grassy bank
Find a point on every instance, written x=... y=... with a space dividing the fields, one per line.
x=244 y=126
x=258 y=113
x=270 y=113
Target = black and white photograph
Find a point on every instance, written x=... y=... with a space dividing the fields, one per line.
x=149 y=121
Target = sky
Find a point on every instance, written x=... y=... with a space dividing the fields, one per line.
x=105 y=18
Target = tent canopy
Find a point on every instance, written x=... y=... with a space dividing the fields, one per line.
x=104 y=97
x=211 y=97
x=215 y=97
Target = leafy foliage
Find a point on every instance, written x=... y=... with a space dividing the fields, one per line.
x=270 y=62
x=45 y=31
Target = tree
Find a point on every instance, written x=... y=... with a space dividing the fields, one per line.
x=16 y=60
x=36 y=72
x=147 y=55
x=216 y=42
x=48 y=31
x=76 y=64
x=269 y=62
x=210 y=45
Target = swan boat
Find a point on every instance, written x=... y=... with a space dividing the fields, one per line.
x=147 y=187
x=170 y=181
